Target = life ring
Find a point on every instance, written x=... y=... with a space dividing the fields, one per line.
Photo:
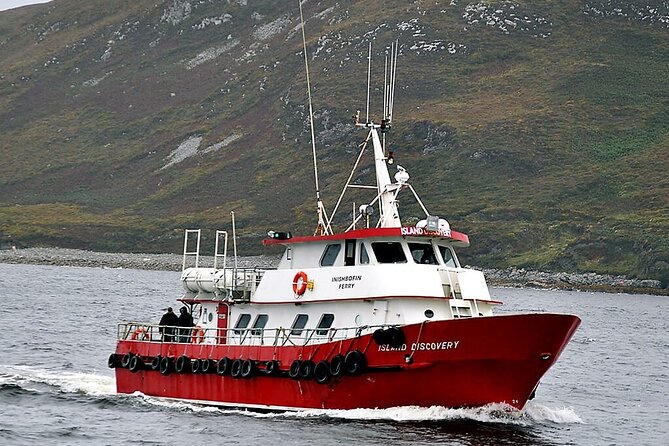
x=140 y=331
x=300 y=283
x=198 y=335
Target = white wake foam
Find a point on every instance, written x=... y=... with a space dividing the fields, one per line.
x=539 y=413
x=93 y=384
x=492 y=413
x=69 y=382
x=180 y=405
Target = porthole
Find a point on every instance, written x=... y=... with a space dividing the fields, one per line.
x=429 y=314
x=211 y=317
x=358 y=320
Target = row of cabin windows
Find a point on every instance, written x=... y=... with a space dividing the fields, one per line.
x=388 y=252
x=296 y=329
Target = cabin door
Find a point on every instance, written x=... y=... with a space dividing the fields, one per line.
x=223 y=313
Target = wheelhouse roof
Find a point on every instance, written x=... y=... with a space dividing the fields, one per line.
x=454 y=237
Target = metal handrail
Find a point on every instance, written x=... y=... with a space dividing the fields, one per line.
x=145 y=332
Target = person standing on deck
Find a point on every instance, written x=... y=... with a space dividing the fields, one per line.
x=167 y=324
x=185 y=320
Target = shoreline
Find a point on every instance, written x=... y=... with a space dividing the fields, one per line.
x=508 y=277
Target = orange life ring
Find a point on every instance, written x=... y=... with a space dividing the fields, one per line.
x=300 y=283
x=198 y=335
x=140 y=331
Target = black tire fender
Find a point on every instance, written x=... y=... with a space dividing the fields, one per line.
x=322 y=372
x=337 y=366
x=166 y=365
x=182 y=364
x=248 y=368
x=355 y=362
x=224 y=365
x=294 y=371
x=236 y=368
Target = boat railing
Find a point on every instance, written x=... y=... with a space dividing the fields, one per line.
x=240 y=283
x=143 y=332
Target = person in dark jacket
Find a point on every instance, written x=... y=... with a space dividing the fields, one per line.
x=167 y=324
x=185 y=320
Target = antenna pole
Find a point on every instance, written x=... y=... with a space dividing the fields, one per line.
x=393 y=70
x=234 y=237
x=321 y=228
x=369 y=73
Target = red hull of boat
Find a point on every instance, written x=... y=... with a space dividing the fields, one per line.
x=455 y=363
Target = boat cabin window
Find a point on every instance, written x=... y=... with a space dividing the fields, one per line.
x=423 y=253
x=389 y=252
x=447 y=256
x=364 y=257
x=298 y=324
x=259 y=324
x=349 y=252
x=330 y=254
x=325 y=324
x=242 y=323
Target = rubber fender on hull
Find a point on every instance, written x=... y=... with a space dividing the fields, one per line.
x=125 y=362
x=294 y=371
x=248 y=368
x=196 y=366
x=307 y=369
x=208 y=366
x=322 y=372
x=380 y=336
x=182 y=364
x=112 y=362
x=236 y=368
x=224 y=365
x=272 y=368
x=355 y=362
x=166 y=365
x=393 y=336
x=396 y=337
x=155 y=363
x=136 y=364
x=337 y=365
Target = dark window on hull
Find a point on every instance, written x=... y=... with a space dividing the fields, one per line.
x=349 y=253
x=447 y=256
x=389 y=252
x=325 y=324
x=299 y=324
x=423 y=253
x=259 y=324
x=364 y=257
x=330 y=254
x=242 y=323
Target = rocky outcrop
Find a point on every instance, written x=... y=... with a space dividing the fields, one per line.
x=173 y=262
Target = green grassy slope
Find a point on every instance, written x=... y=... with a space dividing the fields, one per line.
x=539 y=128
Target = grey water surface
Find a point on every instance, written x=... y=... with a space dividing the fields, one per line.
x=58 y=326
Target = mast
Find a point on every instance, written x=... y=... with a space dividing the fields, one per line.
x=321 y=227
x=387 y=190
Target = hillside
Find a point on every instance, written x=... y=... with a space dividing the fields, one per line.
x=541 y=129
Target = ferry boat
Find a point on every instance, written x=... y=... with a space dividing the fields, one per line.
x=380 y=314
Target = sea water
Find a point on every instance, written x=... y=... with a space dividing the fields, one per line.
x=58 y=326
